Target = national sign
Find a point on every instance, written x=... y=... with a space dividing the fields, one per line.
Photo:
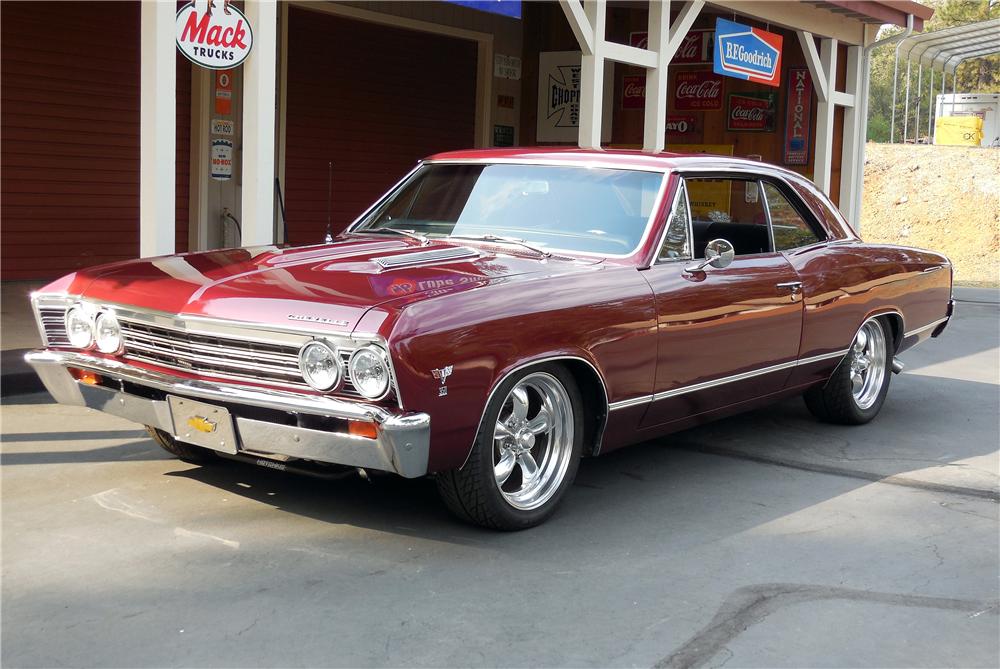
x=743 y=52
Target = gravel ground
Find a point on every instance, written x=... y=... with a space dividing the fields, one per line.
x=945 y=198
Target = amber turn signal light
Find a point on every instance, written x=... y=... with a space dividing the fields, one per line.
x=359 y=428
x=85 y=376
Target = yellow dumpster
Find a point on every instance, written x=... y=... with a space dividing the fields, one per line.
x=961 y=130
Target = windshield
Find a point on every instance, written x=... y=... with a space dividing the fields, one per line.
x=576 y=209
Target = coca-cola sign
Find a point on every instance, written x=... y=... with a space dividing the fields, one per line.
x=213 y=36
x=697 y=91
x=696 y=49
x=751 y=111
x=634 y=92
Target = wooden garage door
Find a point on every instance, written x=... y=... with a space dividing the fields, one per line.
x=69 y=118
x=373 y=100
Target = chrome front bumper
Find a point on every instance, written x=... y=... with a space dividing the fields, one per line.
x=402 y=443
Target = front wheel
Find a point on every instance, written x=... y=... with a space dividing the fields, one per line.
x=526 y=453
x=857 y=389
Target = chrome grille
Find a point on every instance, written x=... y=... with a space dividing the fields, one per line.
x=221 y=357
x=212 y=355
x=54 y=323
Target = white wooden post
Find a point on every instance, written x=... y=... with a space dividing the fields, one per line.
x=157 y=129
x=592 y=77
x=850 y=161
x=824 y=117
x=259 y=96
x=655 y=121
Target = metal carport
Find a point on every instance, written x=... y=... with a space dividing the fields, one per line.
x=940 y=51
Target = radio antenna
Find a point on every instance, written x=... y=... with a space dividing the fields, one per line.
x=329 y=200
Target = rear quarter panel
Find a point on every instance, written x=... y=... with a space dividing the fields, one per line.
x=845 y=283
x=602 y=314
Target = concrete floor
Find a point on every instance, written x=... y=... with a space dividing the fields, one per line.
x=766 y=540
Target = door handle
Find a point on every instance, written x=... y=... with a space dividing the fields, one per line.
x=792 y=286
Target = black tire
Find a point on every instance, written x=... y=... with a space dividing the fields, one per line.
x=834 y=402
x=472 y=493
x=186 y=452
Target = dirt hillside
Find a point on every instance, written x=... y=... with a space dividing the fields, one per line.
x=945 y=198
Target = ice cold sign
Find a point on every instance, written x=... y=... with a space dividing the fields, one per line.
x=214 y=34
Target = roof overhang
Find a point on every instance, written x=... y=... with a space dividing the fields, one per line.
x=879 y=11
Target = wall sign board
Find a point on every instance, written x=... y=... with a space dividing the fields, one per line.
x=634 y=91
x=506 y=67
x=503 y=135
x=559 y=97
x=798 y=116
x=697 y=91
x=224 y=92
x=212 y=36
x=751 y=112
x=696 y=49
x=743 y=52
x=222 y=159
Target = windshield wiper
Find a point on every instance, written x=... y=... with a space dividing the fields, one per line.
x=396 y=231
x=508 y=240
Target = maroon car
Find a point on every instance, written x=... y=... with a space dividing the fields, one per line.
x=497 y=316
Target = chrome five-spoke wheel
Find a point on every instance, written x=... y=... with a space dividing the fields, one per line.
x=867 y=360
x=526 y=453
x=856 y=390
x=533 y=441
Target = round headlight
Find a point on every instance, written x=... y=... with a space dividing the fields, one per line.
x=79 y=327
x=107 y=333
x=320 y=365
x=370 y=372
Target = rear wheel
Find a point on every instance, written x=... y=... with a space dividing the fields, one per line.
x=186 y=452
x=857 y=389
x=526 y=453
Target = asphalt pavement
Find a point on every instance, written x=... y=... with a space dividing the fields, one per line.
x=764 y=540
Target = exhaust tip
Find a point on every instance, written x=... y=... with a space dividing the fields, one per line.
x=897 y=366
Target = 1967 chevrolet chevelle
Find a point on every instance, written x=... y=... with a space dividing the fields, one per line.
x=498 y=315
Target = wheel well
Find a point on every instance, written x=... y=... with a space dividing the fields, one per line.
x=895 y=322
x=595 y=402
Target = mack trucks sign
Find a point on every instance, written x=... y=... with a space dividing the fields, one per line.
x=743 y=52
x=214 y=37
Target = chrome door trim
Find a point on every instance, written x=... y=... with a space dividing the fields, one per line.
x=683 y=390
x=926 y=327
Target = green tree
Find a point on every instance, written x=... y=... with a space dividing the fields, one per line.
x=981 y=75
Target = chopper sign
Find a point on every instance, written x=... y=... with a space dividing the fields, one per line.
x=217 y=38
x=743 y=52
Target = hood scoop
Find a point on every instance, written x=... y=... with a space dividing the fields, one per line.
x=423 y=257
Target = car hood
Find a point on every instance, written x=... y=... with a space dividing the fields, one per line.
x=327 y=287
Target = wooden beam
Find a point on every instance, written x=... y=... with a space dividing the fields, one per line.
x=579 y=24
x=819 y=76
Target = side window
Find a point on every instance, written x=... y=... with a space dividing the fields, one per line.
x=790 y=230
x=730 y=209
x=676 y=243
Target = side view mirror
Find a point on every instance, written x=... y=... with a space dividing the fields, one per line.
x=718 y=253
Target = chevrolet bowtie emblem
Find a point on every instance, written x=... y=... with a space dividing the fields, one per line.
x=201 y=424
x=442 y=373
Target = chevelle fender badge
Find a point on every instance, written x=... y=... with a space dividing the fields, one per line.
x=201 y=424
x=317 y=319
x=443 y=375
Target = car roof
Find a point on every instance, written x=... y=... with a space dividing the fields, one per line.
x=616 y=158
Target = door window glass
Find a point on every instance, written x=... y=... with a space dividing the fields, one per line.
x=676 y=242
x=790 y=230
x=730 y=209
